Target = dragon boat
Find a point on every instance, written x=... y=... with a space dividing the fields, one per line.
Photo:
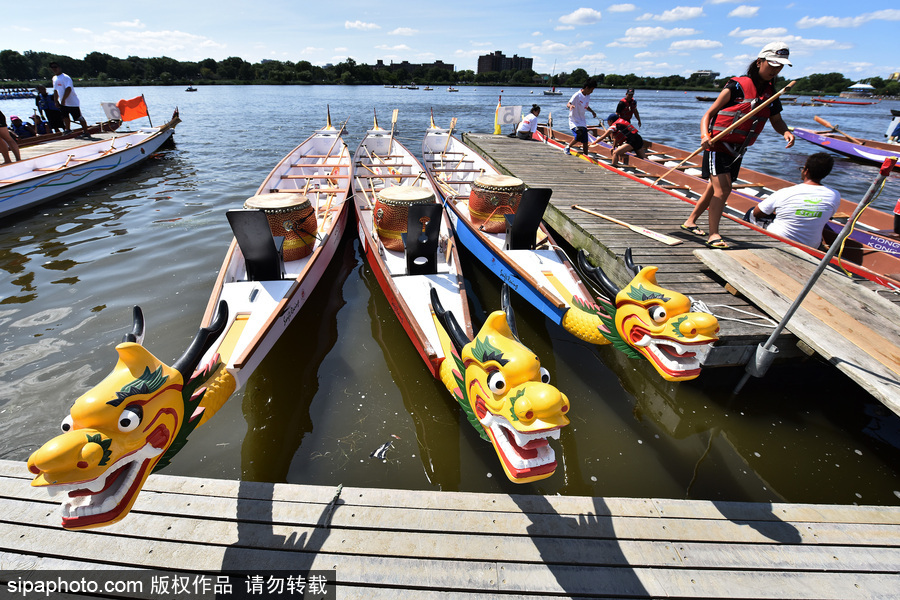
x=503 y=390
x=406 y=238
x=33 y=181
x=867 y=151
x=102 y=127
x=522 y=251
x=135 y=420
x=871 y=251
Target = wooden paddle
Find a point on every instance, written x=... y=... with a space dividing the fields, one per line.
x=825 y=123
x=447 y=143
x=393 y=122
x=659 y=237
x=730 y=128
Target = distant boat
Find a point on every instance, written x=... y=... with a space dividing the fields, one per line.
x=831 y=101
x=191 y=88
x=552 y=91
x=706 y=98
x=452 y=89
x=428 y=88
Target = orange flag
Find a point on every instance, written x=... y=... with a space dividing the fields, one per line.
x=132 y=109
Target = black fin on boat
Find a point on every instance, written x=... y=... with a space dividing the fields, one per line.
x=629 y=262
x=449 y=322
x=136 y=335
x=597 y=277
x=506 y=305
x=202 y=341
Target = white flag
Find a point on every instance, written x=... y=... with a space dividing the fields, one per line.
x=509 y=115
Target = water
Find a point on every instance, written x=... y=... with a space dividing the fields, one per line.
x=344 y=379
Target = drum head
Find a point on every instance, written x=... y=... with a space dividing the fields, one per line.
x=406 y=193
x=275 y=201
x=498 y=181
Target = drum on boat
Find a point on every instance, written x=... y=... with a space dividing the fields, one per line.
x=291 y=216
x=391 y=209
x=492 y=198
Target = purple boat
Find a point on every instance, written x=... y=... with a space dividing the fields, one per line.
x=868 y=151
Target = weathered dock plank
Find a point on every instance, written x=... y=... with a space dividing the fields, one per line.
x=466 y=545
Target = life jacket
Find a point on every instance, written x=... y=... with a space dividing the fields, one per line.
x=623 y=129
x=628 y=109
x=746 y=134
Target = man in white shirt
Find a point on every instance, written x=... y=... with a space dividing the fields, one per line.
x=578 y=105
x=66 y=99
x=801 y=211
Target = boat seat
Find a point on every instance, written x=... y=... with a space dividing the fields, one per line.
x=423 y=227
x=521 y=227
x=262 y=252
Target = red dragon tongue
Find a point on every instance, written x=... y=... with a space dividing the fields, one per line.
x=529 y=450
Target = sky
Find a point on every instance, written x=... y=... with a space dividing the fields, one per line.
x=648 y=38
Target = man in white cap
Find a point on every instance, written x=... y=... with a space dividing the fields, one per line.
x=722 y=160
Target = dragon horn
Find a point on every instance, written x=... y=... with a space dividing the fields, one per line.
x=448 y=321
x=202 y=341
x=597 y=277
x=629 y=262
x=506 y=305
x=137 y=329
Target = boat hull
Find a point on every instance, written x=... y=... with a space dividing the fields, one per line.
x=869 y=151
x=20 y=189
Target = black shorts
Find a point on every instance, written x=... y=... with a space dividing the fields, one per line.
x=73 y=111
x=581 y=135
x=635 y=140
x=719 y=163
x=54 y=119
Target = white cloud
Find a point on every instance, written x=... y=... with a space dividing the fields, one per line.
x=397 y=48
x=744 y=11
x=890 y=14
x=404 y=31
x=536 y=34
x=360 y=25
x=136 y=24
x=564 y=28
x=798 y=44
x=772 y=32
x=82 y=31
x=617 y=8
x=582 y=16
x=679 y=13
x=638 y=37
x=685 y=45
x=551 y=47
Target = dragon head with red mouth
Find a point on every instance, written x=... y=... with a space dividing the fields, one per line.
x=645 y=320
x=504 y=391
x=126 y=427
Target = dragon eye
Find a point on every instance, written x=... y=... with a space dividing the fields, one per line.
x=130 y=418
x=545 y=375
x=496 y=382
x=657 y=313
x=67 y=424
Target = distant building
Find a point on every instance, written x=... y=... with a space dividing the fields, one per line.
x=409 y=67
x=706 y=74
x=498 y=62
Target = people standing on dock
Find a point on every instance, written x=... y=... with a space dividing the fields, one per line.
x=722 y=161
x=67 y=99
x=48 y=109
x=578 y=105
x=625 y=138
x=7 y=142
x=526 y=129
x=627 y=107
x=802 y=211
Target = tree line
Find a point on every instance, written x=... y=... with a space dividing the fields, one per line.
x=100 y=69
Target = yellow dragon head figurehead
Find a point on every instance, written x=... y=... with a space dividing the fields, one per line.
x=124 y=428
x=644 y=319
x=504 y=391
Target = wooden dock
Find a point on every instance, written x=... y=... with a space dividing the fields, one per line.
x=743 y=324
x=421 y=544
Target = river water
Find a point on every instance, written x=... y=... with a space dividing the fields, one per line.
x=344 y=379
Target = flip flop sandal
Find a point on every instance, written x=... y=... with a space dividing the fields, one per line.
x=694 y=229
x=717 y=244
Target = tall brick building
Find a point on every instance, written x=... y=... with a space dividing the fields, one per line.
x=497 y=61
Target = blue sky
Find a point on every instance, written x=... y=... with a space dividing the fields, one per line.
x=652 y=38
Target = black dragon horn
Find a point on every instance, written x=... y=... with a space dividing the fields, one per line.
x=597 y=277
x=202 y=341
x=137 y=329
x=506 y=305
x=449 y=322
x=629 y=262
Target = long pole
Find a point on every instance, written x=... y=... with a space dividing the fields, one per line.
x=730 y=128
x=765 y=353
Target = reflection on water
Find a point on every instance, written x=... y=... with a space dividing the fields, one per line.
x=344 y=379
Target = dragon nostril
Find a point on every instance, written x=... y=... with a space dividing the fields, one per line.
x=34 y=469
x=565 y=408
x=529 y=415
x=83 y=464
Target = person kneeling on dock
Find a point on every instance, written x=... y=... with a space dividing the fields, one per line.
x=625 y=138
x=801 y=211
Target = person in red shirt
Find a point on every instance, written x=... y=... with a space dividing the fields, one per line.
x=627 y=107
